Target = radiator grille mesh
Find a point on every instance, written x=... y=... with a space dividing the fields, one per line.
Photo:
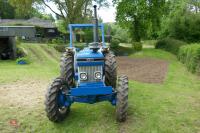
x=90 y=72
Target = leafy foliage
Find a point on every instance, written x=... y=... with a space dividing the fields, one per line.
x=160 y=18
x=190 y=55
x=137 y=46
x=58 y=40
x=23 y=8
x=23 y=60
x=170 y=45
x=181 y=21
x=59 y=48
x=61 y=25
x=118 y=32
x=114 y=44
x=7 y=11
x=141 y=17
x=72 y=11
x=88 y=35
x=20 y=52
x=184 y=27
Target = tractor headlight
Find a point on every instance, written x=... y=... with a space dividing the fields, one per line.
x=83 y=76
x=97 y=75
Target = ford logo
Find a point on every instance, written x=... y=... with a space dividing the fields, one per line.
x=90 y=59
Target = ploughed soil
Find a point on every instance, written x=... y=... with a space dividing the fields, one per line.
x=143 y=69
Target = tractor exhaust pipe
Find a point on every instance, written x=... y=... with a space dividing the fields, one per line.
x=95 y=30
x=95 y=45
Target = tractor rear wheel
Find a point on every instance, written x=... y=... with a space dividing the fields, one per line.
x=55 y=99
x=110 y=70
x=67 y=68
x=122 y=98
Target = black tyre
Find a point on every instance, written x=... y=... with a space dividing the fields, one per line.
x=110 y=70
x=67 y=68
x=122 y=98
x=55 y=111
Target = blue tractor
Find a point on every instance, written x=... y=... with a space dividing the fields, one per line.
x=87 y=76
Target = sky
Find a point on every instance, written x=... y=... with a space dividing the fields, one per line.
x=107 y=14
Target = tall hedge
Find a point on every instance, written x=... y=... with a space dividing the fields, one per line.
x=190 y=55
x=185 y=27
x=170 y=45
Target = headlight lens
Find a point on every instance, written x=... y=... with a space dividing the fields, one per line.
x=97 y=75
x=83 y=76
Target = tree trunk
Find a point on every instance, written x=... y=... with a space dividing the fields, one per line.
x=136 y=30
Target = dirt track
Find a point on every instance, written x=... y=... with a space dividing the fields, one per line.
x=23 y=93
x=143 y=70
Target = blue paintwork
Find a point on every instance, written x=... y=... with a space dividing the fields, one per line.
x=61 y=99
x=88 y=53
x=87 y=92
x=73 y=26
x=85 y=63
x=91 y=88
x=76 y=76
x=83 y=25
x=90 y=92
x=22 y=62
x=95 y=99
x=90 y=99
x=90 y=84
x=102 y=34
x=70 y=36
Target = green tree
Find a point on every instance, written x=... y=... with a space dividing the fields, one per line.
x=61 y=25
x=182 y=21
x=195 y=4
x=73 y=11
x=23 y=8
x=6 y=10
x=117 y=32
x=141 y=17
x=132 y=15
x=36 y=13
x=156 y=9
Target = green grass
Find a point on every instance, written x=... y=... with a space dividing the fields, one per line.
x=42 y=66
x=172 y=107
x=155 y=53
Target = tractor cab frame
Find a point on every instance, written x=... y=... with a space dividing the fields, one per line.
x=81 y=26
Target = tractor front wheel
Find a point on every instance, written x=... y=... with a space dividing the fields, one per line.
x=55 y=100
x=67 y=68
x=122 y=98
x=110 y=70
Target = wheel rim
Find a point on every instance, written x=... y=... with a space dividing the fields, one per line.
x=62 y=110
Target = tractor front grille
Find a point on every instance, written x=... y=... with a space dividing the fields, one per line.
x=90 y=70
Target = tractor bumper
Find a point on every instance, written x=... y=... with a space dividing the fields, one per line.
x=91 y=93
x=96 y=88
